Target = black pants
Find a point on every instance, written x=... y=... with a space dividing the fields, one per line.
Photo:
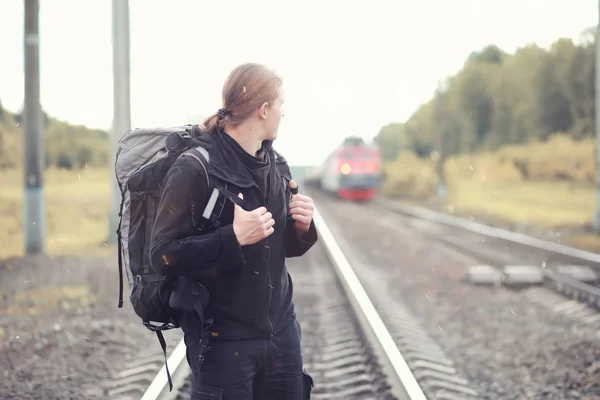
x=248 y=369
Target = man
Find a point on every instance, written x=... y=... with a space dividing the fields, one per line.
x=254 y=349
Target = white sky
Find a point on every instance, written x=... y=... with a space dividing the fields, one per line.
x=349 y=66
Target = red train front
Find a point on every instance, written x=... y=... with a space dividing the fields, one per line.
x=352 y=171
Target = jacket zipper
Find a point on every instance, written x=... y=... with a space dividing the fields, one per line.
x=268 y=245
x=270 y=291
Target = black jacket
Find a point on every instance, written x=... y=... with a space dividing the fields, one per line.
x=250 y=288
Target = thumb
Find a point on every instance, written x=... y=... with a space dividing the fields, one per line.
x=294 y=186
x=241 y=196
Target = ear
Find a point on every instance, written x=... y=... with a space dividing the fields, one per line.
x=262 y=111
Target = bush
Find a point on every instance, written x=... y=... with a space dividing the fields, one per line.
x=562 y=158
x=65 y=146
x=559 y=159
x=410 y=176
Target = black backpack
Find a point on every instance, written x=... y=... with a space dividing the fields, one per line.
x=142 y=160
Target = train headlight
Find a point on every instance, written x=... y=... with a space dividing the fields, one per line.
x=345 y=169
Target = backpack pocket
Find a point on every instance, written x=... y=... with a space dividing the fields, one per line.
x=148 y=298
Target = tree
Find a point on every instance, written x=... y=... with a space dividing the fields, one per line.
x=499 y=98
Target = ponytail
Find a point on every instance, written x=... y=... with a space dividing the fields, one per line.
x=211 y=124
x=217 y=121
x=247 y=87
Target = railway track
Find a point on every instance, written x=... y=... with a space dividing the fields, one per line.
x=527 y=344
x=515 y=259
x=358 y=347
x=347 y=348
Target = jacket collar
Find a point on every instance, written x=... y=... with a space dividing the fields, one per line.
x=227 y=168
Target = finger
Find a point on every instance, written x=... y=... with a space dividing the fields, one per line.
x=269 y=223
x=265 y=217
x=302 y=204
x=303 y=198
x=260 y=211
x=301 y=218
x=300 y=211
x=269 y=231
x=293 y=186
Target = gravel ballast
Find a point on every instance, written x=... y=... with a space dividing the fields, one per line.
x=61 y=331
x=506 y=345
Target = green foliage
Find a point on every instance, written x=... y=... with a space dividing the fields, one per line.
x=560 y=158
x=66 y=146
x=499 y=99
x=69 y=146
x=409 y=176
x=550 y=182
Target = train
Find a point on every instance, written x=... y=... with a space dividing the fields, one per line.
x=352 y=171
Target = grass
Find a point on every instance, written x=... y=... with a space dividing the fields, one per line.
x=77 y=206
x=48 y=299
x=549 y=206
x=546 y=204
x=542 y=187
x=539 y=207
x=78 y=203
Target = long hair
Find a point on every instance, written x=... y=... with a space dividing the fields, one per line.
x=246 y=88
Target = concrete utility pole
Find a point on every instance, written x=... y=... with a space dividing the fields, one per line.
x=121 y=95
x=439 y=127
x=596 y=219
x=34 y=210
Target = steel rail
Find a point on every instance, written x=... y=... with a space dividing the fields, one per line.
x=490 y=231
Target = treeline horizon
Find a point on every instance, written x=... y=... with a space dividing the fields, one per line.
x=499 y=99
x=65 y=145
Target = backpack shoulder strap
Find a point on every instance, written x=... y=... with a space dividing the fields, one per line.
x=213 y=207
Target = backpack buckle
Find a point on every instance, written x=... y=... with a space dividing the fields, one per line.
x=185 y=135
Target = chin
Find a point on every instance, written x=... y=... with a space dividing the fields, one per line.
x=271 y=136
